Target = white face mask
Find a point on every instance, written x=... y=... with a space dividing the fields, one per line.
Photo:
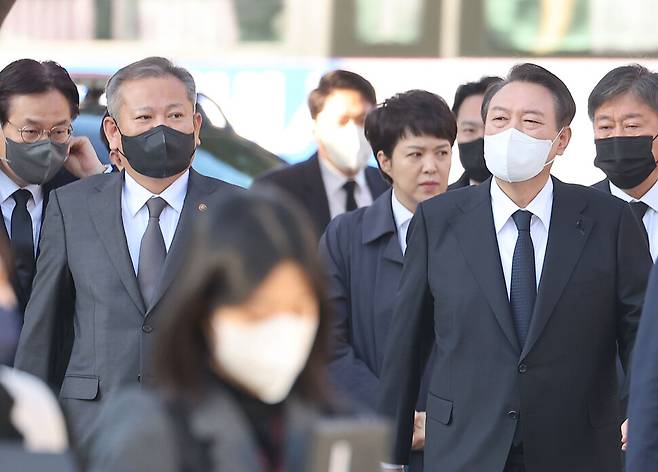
x=347 y=145
x=264 y=357
x=513 y=156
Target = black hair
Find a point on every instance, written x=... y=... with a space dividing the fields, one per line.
x=234 y=246
x=339 y=80
x=472 y=88
x=27 y=76
x=565 y=106
x=633 y=78
x=416 y=112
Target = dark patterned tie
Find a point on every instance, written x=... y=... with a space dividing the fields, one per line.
x=152 y=252
x=350 y=201
x=523 y=288
x=639 y=209
x=22 y=241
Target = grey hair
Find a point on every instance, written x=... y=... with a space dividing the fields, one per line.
x=146 y=68
x=633 y=78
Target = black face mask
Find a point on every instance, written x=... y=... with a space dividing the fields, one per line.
x=160 y=152
x=626 y=160
x=471 y=155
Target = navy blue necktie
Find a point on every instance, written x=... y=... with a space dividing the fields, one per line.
x=523 y=288
x=639 y=209
x=22 y=240
x=350 y=201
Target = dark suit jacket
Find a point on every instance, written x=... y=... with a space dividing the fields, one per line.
x=85 y=279
x=462 y=182
x=603 y=185
x=561 y=387
x=62 y=178
x=642 y=455
x=304 y=182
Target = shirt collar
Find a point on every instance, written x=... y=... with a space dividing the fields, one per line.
x=137 y=196
x=334 y=180
x=401 y=214
x=8 y=187
x=503 y=207
x=650 y=198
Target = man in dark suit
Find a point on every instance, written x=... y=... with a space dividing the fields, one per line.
x=470 y=132
x=363 y=250
x=642 y=455
x=337 y=177
x=38 y=102
x=112 y=244
x=525 y=286
x=623 y=108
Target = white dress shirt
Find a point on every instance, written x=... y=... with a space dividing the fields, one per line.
x=135 y=213
x=503 y=208
x=402 y=217
x=34 y=205
x=650 y=219
x=336 y=195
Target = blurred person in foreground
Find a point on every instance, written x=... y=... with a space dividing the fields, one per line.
x=470 y=131
x=412 y=134
x=337 y=177
x=527 y=287
x=113 y=244
x=240 y=357
x=29 y=413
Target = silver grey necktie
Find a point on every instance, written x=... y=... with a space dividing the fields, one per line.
x=152 y=252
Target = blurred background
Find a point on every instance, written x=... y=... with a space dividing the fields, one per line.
x=255 y=61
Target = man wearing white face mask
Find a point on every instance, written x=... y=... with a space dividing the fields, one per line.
x=527 y=286
x=337 y=178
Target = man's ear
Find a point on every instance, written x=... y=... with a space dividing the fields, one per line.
x=198 y=120
x=112 y=133
x=563 y=140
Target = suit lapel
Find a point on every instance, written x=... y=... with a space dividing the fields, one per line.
x=105 y=211
x=379 y=221
x=476 y=235
x=197 y=192
x=567 y=235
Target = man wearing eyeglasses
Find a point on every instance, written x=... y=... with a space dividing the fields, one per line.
x=38 y=102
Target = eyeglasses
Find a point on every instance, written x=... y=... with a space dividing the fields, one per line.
x=56 y=134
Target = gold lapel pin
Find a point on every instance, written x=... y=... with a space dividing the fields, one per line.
x=203 y=207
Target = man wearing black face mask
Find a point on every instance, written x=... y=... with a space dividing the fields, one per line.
x=38 y=102
x=470 y=131
x=114 y=243
x=623 y=108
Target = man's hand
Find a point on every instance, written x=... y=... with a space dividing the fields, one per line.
x=624 y=435
x=83 y=161
x=418 y=440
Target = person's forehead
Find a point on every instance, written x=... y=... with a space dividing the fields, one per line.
x=524 y=96
x=470 y=107
x=39 y=107
x=409 y=140
x=153 y=91
x=342 y=100
x=625 y=105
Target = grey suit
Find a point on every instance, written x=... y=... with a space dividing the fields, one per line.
x=137 y=433
x=86 y=312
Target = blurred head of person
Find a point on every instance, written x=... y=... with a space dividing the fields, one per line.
x=153 y=125
x=526 y=123
x=338 y=107
x=412 y=134
x=113 y=154
x=251 y=308
x=623 y=108
x=38 y=102
x=9 y=321
x=467 y=108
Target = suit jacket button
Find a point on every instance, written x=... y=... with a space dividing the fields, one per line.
x=147 y=328
x=523 y=368
x=513 y=414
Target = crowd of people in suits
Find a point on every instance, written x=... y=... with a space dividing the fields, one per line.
x=152 y=318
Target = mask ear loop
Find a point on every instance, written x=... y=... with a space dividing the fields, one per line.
x=553 y=142
x=116 y=123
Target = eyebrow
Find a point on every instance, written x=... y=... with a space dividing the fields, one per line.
x=471 y=123
x=30 y=121
x=525 y=112
x=416 y=146
x=624 y=117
